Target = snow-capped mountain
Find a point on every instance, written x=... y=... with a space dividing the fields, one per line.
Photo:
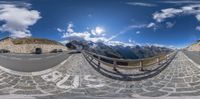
x=124 y=51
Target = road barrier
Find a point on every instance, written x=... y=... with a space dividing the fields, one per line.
x=128 y=63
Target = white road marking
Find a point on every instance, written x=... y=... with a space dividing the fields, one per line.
x=60 y=83
x=76 y=81
x=53 y=77
x=100 y=82
x=15 y=58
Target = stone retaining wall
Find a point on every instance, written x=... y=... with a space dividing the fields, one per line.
x=30 y=48
x=194 y=47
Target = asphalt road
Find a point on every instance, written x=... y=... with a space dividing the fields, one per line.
x=194 y=55
x=32 y=62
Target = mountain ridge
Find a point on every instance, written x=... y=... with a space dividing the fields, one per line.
x=120 y=51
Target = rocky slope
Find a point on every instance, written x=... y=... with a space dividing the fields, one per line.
x=194 y=47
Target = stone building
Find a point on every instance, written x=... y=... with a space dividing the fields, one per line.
x=30 y=45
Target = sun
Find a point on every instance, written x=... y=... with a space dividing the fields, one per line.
x=99 y=30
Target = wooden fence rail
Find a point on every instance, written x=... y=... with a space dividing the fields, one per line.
x=128 y=63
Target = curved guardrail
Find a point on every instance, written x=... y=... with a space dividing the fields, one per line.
x=128 y=63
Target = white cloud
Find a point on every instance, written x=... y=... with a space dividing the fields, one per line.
x=150 y=25
x=64 y=41
x=129 y=40
x=198 y=28
x=60 y=30
x=88 y=36
x=69 y=28
x=94 y=35
x=115 y=43
x=169 y=24
x=141 y=4
x=173 y=12
x=17 y=20
x=138 y=32
x=90 y=15
x=166 y=13
x=98 y=31
x=181 y=2
x=160 y=45
x=127 y=29
x=198 y=17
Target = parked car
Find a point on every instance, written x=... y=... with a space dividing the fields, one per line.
x=4 y=51
x=60 y=50
x=54 y=51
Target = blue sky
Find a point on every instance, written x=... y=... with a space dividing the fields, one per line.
x=129 y=22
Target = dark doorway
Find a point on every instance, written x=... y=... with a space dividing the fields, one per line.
x=38 y=51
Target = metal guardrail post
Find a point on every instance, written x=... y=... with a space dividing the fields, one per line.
x=99 y=63
x=158 y=60
x=114 y=65
x=141 y=65
x=167 y=57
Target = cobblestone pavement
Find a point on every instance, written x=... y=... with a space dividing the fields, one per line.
x=76 y=78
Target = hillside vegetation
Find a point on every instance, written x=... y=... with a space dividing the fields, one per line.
x=34 y=41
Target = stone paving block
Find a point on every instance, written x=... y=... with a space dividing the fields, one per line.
x=148 y=83
x=152 y=88
x=185 y=89
x=38 y=79
x=77 y=90
x=138 y=91
x=108 y=89
x=177 y=80
x=188 y=79
x=171 y=85
x=195 y=78
x=186 y=94
x=128 y=91
x=4 y=85
x=182 y=85
x=4 y=75
x=91 y=90
x=6 y=80
x=117 y=85
x=30 y=92
x=159 y=85
x=14 y=81
x=24 y=86
x=47 y=87
x=98 y=93
x=154 y=94
x=167 y=89
x=181 y=75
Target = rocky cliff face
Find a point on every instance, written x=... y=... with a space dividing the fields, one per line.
x=194 y=47
x=29 y=45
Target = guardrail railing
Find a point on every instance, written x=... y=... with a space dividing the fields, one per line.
x=128 y=63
